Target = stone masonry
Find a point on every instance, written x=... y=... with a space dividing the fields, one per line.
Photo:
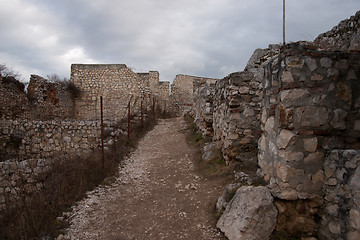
x=116 y=83
x=311 y=106
x=182 y=90
x=237 y=108
x=204 y=92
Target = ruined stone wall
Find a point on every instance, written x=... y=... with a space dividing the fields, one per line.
x=14 y=101
x=236 y=116
x=164 y=95
x=343 y=37
x=28 y=148
x=237 y=108
x=115 y=82
x=22 y=139
x=44 y=100
x=182 y=90
x=51 y=100
x=203 y=108
x=341 y=209
x=311 y=106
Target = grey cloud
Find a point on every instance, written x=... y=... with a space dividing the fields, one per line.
x=207 y=37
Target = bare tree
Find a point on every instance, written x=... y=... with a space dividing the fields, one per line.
x=56 y=78
x=6 y=72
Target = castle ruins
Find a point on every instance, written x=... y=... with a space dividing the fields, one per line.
x=294 y=112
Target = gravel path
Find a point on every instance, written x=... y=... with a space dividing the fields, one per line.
x=158 y=195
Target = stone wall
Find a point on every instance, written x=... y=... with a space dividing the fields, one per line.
x=28 y=148
x=44 y=100
x=203 y=108
x=51 y=100
x=164 y=95
x=22 y=139
x=14 y=101
x=343 y=37
x=236 y=112
x=182 y=90
x=237 y=108
x=341 y=188
x=116 y=83
x=311 y=106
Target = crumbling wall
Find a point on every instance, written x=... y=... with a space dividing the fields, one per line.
x=237 y=108
x=204 y=92
x=343 y=37
x=44 y=100
x=236 y=112
x=51 y=100
x=14 y=101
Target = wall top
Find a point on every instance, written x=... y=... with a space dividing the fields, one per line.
x=97 y=66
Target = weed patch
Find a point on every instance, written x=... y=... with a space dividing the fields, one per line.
x=35 y=215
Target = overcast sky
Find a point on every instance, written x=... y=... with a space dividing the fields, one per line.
x=209 y=38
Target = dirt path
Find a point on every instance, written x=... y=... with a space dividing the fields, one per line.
x=158 y=195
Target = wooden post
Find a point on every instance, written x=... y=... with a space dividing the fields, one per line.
x=102 y=135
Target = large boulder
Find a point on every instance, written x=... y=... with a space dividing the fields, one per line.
x=251 y=214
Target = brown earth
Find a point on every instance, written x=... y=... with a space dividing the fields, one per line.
x=158 y=194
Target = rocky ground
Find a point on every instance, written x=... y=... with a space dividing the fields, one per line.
x=158 y=194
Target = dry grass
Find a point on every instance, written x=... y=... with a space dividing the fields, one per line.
x=35 y=215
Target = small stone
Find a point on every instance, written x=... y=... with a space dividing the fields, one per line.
x=284 y=138
x=354 y=219
x=339 y=120
x=287 y=77
x=311 y=63
x=326 y=62
x=310 y=144
x=331 y=182
x=317 y=77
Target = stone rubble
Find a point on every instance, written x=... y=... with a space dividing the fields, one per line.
x=250 y=215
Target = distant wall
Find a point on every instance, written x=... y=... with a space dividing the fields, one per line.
x=115 y=82
x=182 y=90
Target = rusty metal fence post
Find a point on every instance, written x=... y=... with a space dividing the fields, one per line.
x=102 y=134
x=128 y=133
x=141 y=114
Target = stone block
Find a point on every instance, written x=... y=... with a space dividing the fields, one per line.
x=251 y=214
x=311 y=116
x=288 y=97
x=284 y=138
x=311 y=63
x=310 y=144
x=326 y=62
x=287 y=77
